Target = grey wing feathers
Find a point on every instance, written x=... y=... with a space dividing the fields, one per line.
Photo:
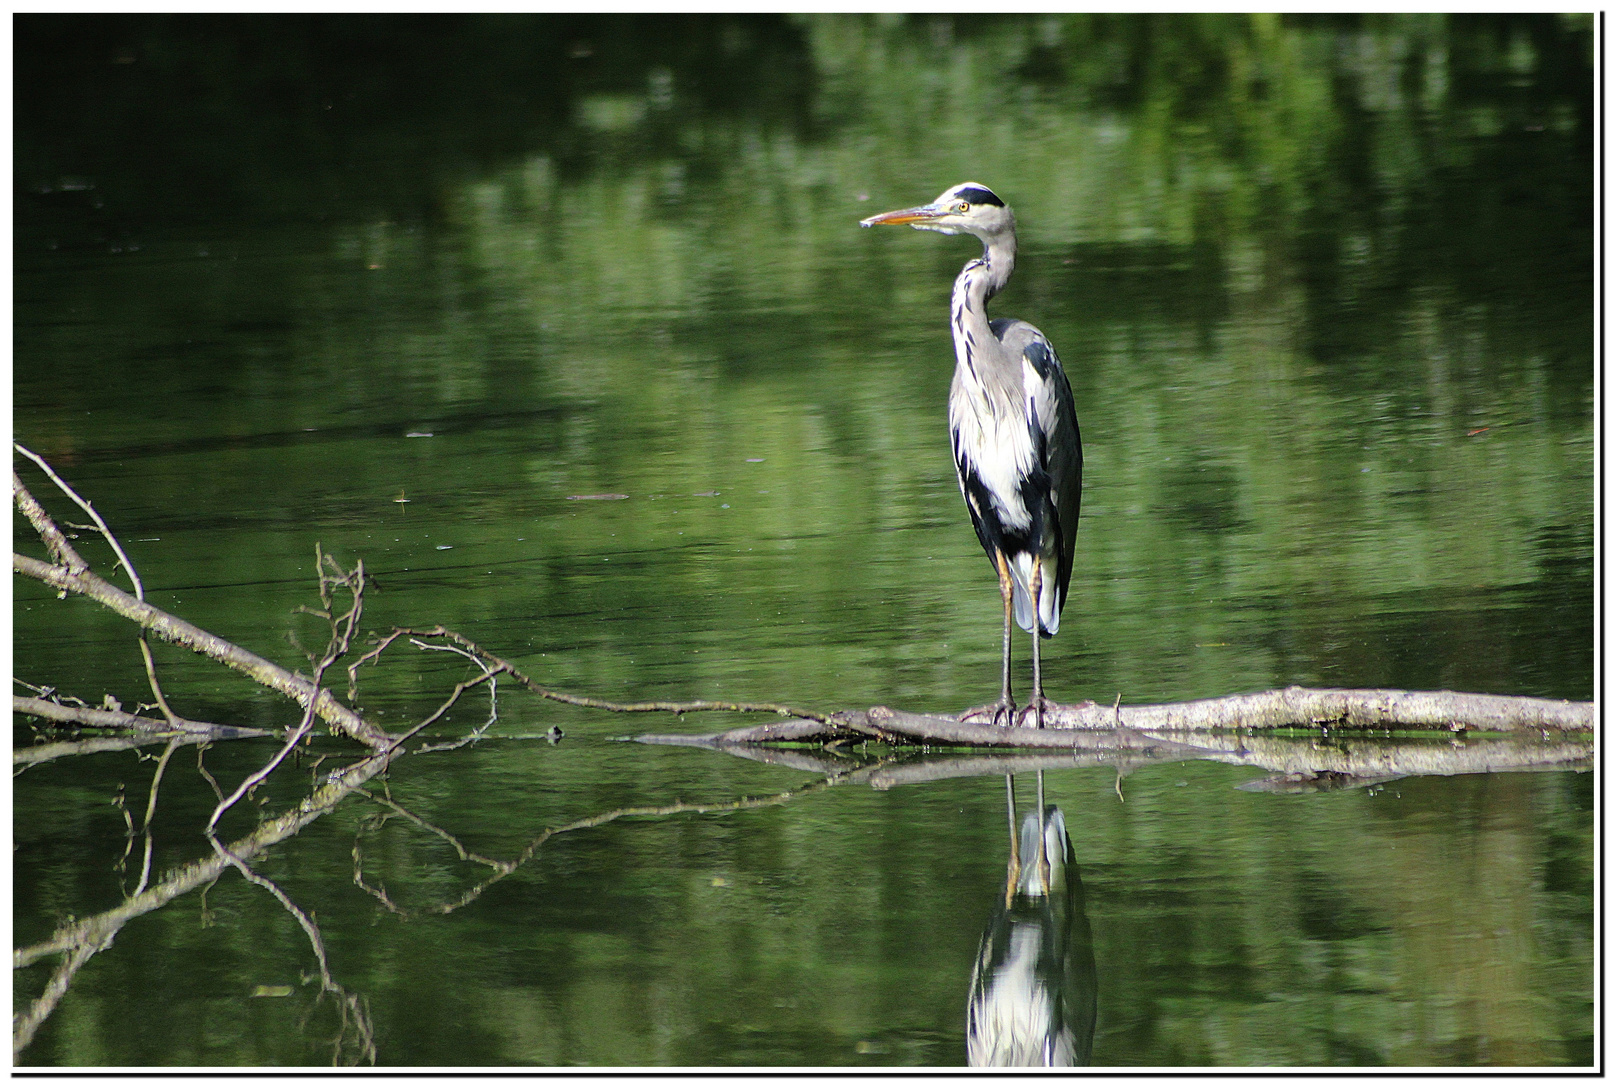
x=1065 y=460
x=1049 y=397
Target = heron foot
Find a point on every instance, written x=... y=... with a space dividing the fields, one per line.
x=1036 y=707
x=1002 y=711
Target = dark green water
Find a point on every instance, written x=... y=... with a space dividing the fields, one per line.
x=402 y=288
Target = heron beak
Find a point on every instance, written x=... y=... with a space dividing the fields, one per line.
x=913 y=215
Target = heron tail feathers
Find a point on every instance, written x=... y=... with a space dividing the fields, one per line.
x=1048 y=601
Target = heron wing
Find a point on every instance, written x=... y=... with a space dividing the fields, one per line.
x=1057 y=442
x=1049 y=398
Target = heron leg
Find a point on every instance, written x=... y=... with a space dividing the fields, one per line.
x=1035 y=706
x=1012 y=876
x=1007 y=702
x=1002 y=711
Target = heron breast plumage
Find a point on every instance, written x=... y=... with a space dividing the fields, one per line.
x=1006 y=420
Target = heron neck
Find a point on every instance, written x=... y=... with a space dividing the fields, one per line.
x=978 y=282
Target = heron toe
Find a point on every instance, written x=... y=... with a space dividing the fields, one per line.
x=1036 y=707
x=1001 y=712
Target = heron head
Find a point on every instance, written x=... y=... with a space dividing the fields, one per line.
x=964 y=208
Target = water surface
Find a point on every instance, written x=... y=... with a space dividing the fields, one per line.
x=404 y=289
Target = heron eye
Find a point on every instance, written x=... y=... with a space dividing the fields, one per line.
x=961 y=207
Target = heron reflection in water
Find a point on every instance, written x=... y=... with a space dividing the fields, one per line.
x=1033 y=989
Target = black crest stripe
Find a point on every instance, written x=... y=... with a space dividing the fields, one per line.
x=979 y=195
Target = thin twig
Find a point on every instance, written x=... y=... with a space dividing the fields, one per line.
x=341 y=630
x=457 y=692
x=100 y=523
x=262 y=774
x=530 y=684
x=477 y=733
x=65 y=553
x=150 y=676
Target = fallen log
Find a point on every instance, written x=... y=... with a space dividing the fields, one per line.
x=1293 y=763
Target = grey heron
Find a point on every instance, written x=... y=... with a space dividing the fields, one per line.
x=1012 y=427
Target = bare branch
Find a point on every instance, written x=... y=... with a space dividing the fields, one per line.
x=261 y=774
x=1355 y=710
x=60 y=550
x=100 y=524
x=341 y=630
x=530 y=684
x=64 y=553
x=176 y=630
x=150 y=676
x=1294 y=763
x=1325 y=710
x=457 y=692
x=477 y=733
x=109 y=718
